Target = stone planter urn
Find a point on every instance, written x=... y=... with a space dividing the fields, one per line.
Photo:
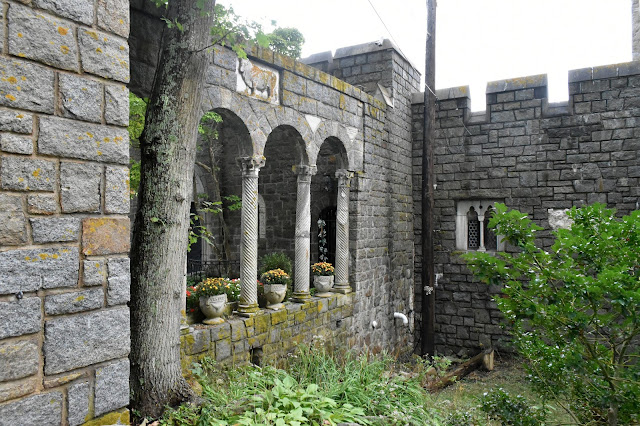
x=213 y=308
x=323 y=285
x=275 y=294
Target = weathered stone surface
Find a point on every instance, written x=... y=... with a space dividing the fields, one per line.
x=16 y=144
x=62 y=379
x=42 y=37
x=13 y=230
x=33 y=269
x=26 y=86
x=105 y=236
x=80 y=187
x=67 y=138
x=36 y=410
x=27 y=174
x=118 y=291
x=92 y=337
x=113 y=16
x=117 y=198
x=116 y=105
x=79 y=301
x=42 y=203
x=55 y=229
x=20 y=317
x=81 y=98
x=18 y=359
x=95 y=272
x=558 y=219
x=112 y=387
x=77 y=10
x=18 y=388
x=104 y=55
x=78 y=403
x=15 y=121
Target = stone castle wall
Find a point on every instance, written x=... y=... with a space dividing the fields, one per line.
x=534 y=156
x=384 y=225
x=64 y=200
x=352 y=128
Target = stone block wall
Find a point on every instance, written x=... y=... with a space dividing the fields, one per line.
x=269 y=336
x=384 y=231
x=537 y=157
x=64 y=200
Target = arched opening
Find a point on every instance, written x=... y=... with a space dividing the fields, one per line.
x=284 y=151
x=324 y=187
x=222 y=138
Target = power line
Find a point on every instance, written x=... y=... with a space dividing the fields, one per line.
x=387 y=28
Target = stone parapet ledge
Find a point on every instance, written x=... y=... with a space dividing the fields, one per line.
x=519 y=83
x=604 y=71
x=268 y=336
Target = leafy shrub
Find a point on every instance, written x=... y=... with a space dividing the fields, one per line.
x=511 y=410
x=275 y=261
x=574 y=311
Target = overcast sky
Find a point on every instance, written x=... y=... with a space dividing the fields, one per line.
x=477 y=40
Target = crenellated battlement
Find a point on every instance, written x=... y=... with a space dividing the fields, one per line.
x=506 y=99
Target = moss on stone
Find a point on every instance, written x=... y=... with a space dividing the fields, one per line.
x=278 y=317
x=120 y=417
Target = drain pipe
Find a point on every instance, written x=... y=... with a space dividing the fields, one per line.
x=405 y=320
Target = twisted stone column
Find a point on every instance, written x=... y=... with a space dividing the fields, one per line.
x=303 y=229
x=342 y=233
x=248 y=303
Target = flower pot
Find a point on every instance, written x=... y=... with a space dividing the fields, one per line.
x=275 y=294
x=323 y=285
x=213 y=308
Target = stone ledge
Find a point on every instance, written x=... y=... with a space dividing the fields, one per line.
x=509 y=84
x=604 y=71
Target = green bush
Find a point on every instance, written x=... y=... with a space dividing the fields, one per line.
x=276 y=260
x=574 y=311
x=511 y=410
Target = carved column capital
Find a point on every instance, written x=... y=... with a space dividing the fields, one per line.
x=304 y=170
x=344 y=177
x=250 y=166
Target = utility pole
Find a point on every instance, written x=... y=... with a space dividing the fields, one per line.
x=428 y=137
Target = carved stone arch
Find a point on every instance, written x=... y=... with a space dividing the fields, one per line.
x=338 y=134
x=216 y=97
x=284 y=116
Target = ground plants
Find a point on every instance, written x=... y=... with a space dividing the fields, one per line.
x=574 y=310
x=317 y=388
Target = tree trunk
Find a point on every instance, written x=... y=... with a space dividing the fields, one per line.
x=159 y=249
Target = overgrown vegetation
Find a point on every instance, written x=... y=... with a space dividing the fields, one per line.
x=574 y=311
x=315 y=389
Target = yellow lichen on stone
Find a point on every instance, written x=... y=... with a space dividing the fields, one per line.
x=63 y=30
x=10 y=97
x=113 y=418
x=64 y=49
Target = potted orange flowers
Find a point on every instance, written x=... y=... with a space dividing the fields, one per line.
x=322 y=278
x=275 y=287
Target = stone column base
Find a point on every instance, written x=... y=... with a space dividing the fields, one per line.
x=248 y=310
x=341 y=288
x=301 y=297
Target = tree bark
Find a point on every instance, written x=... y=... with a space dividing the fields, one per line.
x=159 y=249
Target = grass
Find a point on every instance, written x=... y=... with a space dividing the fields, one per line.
x=318 y=387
